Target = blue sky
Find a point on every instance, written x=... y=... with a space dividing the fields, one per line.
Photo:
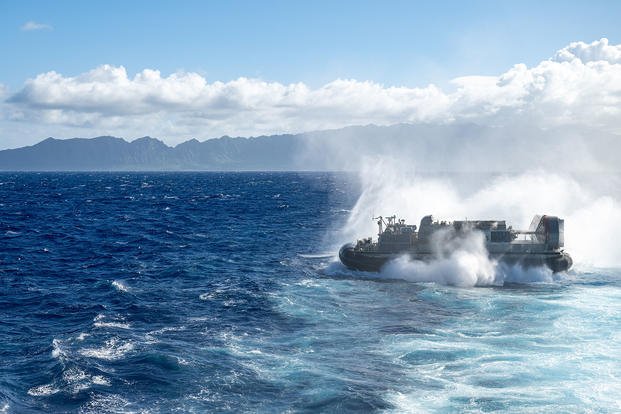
x=395 y=43
x=262 y=67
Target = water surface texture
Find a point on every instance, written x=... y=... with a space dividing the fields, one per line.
x=197 y=292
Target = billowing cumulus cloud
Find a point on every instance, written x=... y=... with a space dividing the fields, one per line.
x=593 y=52
x=579 y=85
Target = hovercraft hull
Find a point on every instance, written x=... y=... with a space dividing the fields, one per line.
x=373 y=261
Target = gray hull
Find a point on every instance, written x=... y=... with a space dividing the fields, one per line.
x=373 y=261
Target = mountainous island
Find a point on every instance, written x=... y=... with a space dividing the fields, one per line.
x=424 y=147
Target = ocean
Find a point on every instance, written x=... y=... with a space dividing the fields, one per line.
x=219 y=292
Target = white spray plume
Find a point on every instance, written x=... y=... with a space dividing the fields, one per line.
x=391 y=186
x=460 y=260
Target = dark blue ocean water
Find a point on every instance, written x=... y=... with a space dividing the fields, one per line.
x=195 y=292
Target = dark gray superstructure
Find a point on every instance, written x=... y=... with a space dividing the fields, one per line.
x=540 y=245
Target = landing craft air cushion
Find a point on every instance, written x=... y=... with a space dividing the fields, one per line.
x=540 y=245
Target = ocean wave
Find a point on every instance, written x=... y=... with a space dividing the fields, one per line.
x=100 y=322
x=77 y=380
x=57 y=351
x=152 y=336
x=106 y=403
x=74 y=380
x=113 y=349
x=100 y=380
x=43 y=390
x=82 y=336
x=120 y=286
x=317 y=255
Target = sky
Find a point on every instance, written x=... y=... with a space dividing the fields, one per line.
x=196 y=69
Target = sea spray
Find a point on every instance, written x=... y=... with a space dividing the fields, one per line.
x=592 y=218
x=459 y=260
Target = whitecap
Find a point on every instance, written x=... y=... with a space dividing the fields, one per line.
x=233 y=302
x=112 y=350
x=308 y=283
x=119 y=325
x=78 y=380
x=100 y=403
x=151 y=336
x=43 y=390
x=100 y=322
x=316 y=255
x=57 y=351
x=120 y=286
x=182 y=361
x=74 y=375
x=100 y=380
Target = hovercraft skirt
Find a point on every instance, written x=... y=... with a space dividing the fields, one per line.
x=368 y=261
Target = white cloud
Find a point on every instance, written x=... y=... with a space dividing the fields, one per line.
x=31 y=25
x=590 y=52
x=580 y=85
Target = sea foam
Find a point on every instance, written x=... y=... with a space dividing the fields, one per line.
x=113 y=349
x=43 y=390
x=120 y=286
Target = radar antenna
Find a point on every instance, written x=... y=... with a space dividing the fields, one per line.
x=380 y=223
